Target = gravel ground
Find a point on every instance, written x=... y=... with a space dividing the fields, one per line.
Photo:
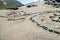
x=25 y=29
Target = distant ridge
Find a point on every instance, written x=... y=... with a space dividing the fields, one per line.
x=9 y=4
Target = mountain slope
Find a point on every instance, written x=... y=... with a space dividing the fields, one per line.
x=9 y=4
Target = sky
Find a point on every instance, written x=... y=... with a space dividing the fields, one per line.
x=28 y=1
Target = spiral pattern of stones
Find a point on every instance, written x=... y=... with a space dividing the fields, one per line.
x=44 y=27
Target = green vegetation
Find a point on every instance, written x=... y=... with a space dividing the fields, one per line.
x=9 y=4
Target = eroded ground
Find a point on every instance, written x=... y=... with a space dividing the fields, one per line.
x=25 y=26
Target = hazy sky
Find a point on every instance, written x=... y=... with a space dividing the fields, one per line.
x=28 y=1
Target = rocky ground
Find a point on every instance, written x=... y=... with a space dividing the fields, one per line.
x=26 y=24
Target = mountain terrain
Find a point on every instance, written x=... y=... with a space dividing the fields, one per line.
x=9 y=4
x=33 y=21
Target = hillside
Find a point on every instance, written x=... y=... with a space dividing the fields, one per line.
x=32 y=21
x=9 y=4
